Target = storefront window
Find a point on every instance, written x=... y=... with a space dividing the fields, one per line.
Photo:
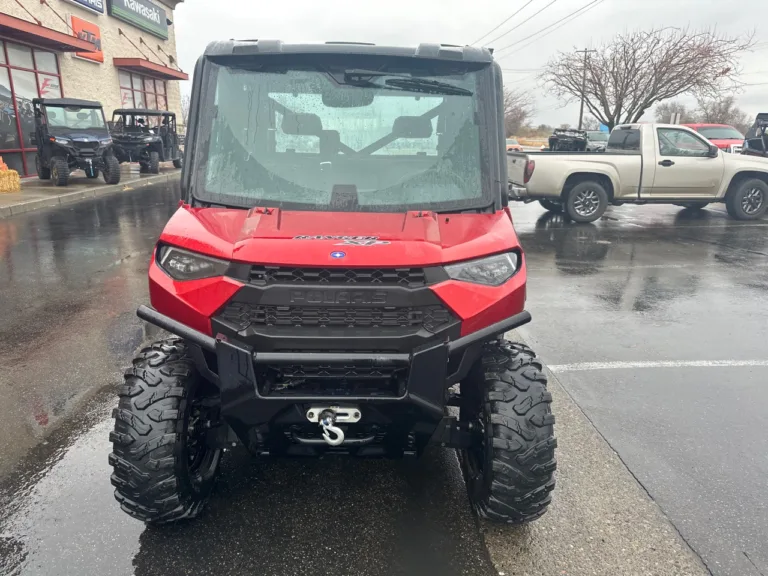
x=24 y=74
x=46 y=62
x=25 y=89
x=137 y=91
x=9 y=132
x=20 y=56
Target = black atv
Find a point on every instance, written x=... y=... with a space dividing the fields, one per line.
x=147 y=137
x=756 y=141
x=71 y=134
x=568 y=140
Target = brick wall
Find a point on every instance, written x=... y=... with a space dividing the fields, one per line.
x=91 y=80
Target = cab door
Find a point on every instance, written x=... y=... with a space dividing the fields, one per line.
x=685 y=167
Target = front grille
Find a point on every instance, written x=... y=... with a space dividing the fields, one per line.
x=244 y=316
x=407 y=277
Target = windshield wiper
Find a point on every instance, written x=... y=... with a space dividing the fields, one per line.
x=363 y=78
x=471 y=209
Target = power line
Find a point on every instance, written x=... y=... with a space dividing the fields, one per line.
x=521 y=23
x=502 y=24
x=573 y=15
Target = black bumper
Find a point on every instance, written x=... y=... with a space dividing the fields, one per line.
x=432 y=369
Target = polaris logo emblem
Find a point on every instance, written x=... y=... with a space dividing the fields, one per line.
x=337 y=297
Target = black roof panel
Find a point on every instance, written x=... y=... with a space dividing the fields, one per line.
x=67 y=102
x=273 y=47
x=143 y=112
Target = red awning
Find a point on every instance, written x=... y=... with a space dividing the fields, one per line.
x=40 y=36
x=142 y=66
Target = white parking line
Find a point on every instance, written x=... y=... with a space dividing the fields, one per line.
x=587 y=366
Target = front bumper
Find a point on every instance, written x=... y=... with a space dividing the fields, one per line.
x=419 y=409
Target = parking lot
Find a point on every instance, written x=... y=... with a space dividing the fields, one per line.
x=651 y=321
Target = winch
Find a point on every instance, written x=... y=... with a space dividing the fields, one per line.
x=328 y=416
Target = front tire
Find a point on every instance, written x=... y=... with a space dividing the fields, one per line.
x=154 y=163
x=163 y=469
x=748 y=200
x=59 y=171
x=179 y=162
x=111 y=170
x=43 y=173
x=586 y=202
x=510 y=468
x=552 y=206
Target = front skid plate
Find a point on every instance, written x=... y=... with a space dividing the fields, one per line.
x=420 y=409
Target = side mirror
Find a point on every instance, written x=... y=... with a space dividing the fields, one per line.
x=713 y=151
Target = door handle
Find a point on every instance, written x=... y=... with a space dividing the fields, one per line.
x=666 y=163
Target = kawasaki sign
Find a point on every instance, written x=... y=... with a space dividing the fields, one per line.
x=142 y=14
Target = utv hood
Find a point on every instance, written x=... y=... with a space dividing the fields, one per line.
x=305 y=238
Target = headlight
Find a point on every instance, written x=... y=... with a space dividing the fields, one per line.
x=63 y=141
x=491 y=271
x=182 y=265
x=106 y=142
x=148 y=139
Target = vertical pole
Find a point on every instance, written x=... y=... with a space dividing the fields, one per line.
x=583 y=86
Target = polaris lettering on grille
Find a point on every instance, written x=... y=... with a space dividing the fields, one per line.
x=337 y=297
x=347 y=240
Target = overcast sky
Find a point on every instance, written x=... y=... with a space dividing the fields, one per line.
x=409 y=22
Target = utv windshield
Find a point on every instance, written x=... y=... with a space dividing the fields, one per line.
x=347 y=139
x=74 y=118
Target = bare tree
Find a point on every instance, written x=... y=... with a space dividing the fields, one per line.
x=518 y=107
x=666 y=110
x=724 y=111
x=185 y=109
x=591 y=123
x=636 y=70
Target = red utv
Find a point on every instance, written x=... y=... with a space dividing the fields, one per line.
x=343 y=269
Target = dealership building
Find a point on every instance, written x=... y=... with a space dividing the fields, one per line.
x=119 y=52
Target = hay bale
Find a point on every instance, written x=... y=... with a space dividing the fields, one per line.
x=9 y=182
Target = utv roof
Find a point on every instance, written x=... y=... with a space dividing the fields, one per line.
x=142 y=112
x=273 y=47
x=75 y=103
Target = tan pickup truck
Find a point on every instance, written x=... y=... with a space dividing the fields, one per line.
x=642 y=164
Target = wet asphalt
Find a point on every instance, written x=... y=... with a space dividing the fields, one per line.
x=644 y=284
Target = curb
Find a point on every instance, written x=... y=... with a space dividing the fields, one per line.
x=69 y=197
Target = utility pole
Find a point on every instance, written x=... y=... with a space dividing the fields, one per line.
x=583 y=85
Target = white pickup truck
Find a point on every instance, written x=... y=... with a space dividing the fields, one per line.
x=642 y=164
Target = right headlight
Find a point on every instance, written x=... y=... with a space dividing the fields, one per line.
x=184 y=265
x=490 y=271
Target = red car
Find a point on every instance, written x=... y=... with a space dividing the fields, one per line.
x=721 y=135
x=342 y=256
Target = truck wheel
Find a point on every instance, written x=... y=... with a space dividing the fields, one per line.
x=111 y=169
x=43 y=173
x=59 y=171
x=748 y=201
x=509 y=469
x=154 y=163
x=552 y=206
x=179 y=162
x=163 y=469
x=586 y=202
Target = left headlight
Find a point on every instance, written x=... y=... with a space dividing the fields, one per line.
x=491 y=271
x=183 y=265
x=63 y=141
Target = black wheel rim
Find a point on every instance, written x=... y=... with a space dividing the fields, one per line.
x=752 y=201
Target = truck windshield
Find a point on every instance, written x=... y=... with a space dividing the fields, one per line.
x=74 y=117
x=721 y=133
x=348 y=139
